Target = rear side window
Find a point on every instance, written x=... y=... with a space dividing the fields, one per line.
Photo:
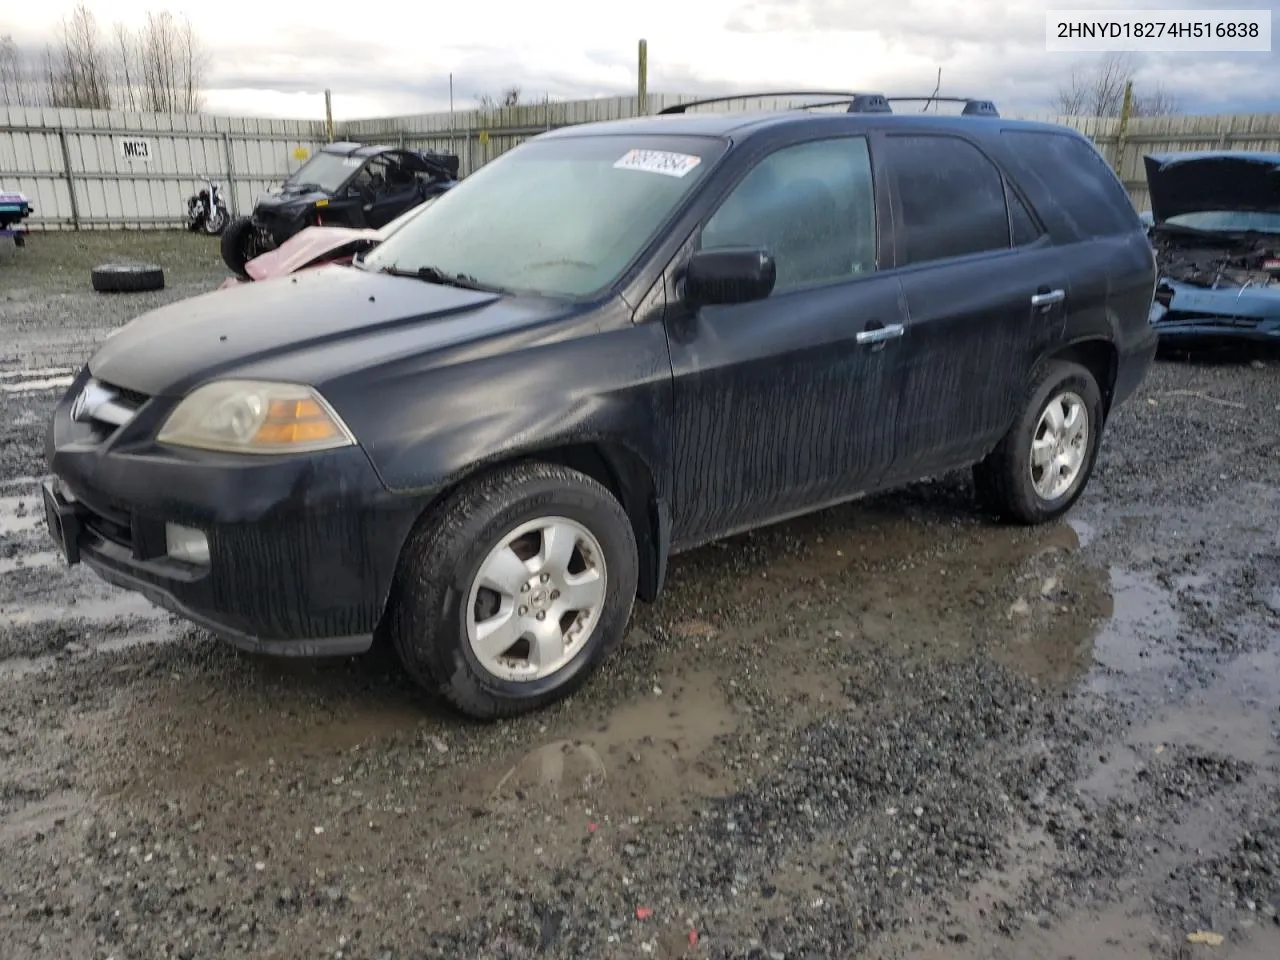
x=951 y=198
x=1070 y=173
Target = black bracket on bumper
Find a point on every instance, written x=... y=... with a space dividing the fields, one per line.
x=63 y=522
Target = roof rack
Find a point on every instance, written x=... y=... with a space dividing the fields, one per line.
x=857 y=102
x=972 y=107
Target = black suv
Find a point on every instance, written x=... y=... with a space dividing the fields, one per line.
x=342 y=185
x=616 y=341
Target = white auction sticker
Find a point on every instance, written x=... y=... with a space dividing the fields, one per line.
x=658 y=161
x=1158 y=31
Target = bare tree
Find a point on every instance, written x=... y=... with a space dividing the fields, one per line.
x=1099 y=92
x=1158 y=103
x=76 y=67
x=510 y=97
x=165 y=64
x=126 y=68
x=15 y=90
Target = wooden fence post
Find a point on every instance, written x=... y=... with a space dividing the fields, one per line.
x=642 y=79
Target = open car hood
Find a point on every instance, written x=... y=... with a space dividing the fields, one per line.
x=1218 y=180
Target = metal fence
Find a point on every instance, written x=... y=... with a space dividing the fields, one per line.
x=85 y=169
x=88 y=169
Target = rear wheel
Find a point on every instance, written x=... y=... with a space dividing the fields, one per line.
x=1044 y=462
x=513 y=590
x=239 y=245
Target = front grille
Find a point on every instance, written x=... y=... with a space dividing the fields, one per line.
x=105 y=408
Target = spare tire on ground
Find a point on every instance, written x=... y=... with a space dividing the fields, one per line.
x=127 y=277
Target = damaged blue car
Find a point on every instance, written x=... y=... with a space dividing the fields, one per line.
x=1215 y=228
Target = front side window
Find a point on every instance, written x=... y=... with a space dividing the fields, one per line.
x=811 y=206
x=951 y=198
x=562 y=217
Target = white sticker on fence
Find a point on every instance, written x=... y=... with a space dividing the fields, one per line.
x=658 y=161
x=132 y=148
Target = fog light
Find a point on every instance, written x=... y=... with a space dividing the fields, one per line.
x=186 y=544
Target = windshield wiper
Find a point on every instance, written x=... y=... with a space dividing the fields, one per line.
x=436 y=275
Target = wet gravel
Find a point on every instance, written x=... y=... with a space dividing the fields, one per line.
x=893 y=729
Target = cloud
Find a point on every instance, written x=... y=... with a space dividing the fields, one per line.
x=398 y=62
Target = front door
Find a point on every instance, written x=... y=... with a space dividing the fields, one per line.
x=984 y=291
x=785 y=404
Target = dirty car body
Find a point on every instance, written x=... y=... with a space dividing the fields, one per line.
x=613 y=343
x=1215 y=227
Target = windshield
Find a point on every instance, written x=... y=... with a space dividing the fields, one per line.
x=1232 y=220
x=563 y=217
x=328 y=171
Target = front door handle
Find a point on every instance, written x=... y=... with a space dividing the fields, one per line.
x=1048 y=297
x=880 y=334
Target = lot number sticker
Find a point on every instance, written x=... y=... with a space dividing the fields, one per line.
x=658 y=161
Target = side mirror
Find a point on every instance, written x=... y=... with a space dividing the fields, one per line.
x=719 y=277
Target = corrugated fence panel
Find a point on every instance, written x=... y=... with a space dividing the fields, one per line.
x=137 y=170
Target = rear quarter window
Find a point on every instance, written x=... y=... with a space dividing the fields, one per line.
x=1068 y=173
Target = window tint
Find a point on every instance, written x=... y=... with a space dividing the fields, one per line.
x=1070 y=171
x=1025 y=229
x=812 y=206
x=951 y=198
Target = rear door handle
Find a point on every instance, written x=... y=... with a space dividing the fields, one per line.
x=1047 y=298
x=880 y=334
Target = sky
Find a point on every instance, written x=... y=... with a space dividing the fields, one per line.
x=395 y=57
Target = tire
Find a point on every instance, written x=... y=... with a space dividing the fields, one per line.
x=1005 y=482
x=429 y=618
x=216 y=221
x=127 y=277
x=237 y=245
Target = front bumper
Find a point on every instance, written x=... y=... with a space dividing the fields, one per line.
x=1195 y=314
x=302 y=550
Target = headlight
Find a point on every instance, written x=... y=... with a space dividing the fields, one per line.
x=248 y=416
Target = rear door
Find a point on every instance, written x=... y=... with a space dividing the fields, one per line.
x=786 y=403
x=983 y=290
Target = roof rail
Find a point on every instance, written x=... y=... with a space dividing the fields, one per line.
x=842 y=96
x=972 y=107
x=857 y=102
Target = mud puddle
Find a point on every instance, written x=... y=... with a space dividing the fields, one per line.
x=644 y=754
x=20 y=514
x=12 y=668
x=117 y=605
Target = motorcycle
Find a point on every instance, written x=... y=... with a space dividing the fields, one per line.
x=206 y=210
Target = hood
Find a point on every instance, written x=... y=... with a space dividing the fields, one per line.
x=320 y=323
x=307 y=247
x=288 y=200
x=1201 y=182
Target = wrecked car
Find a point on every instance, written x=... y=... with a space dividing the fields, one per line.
x=1214 y=224
x=615 y=342
x=316 y=246
x=348 y=185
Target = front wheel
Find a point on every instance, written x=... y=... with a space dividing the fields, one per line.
x=239 y=245
x=514 y=590
x=1044 y=462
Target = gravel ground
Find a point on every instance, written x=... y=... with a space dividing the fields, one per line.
x=893 y=729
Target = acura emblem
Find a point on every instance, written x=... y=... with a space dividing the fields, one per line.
x=90 y=399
